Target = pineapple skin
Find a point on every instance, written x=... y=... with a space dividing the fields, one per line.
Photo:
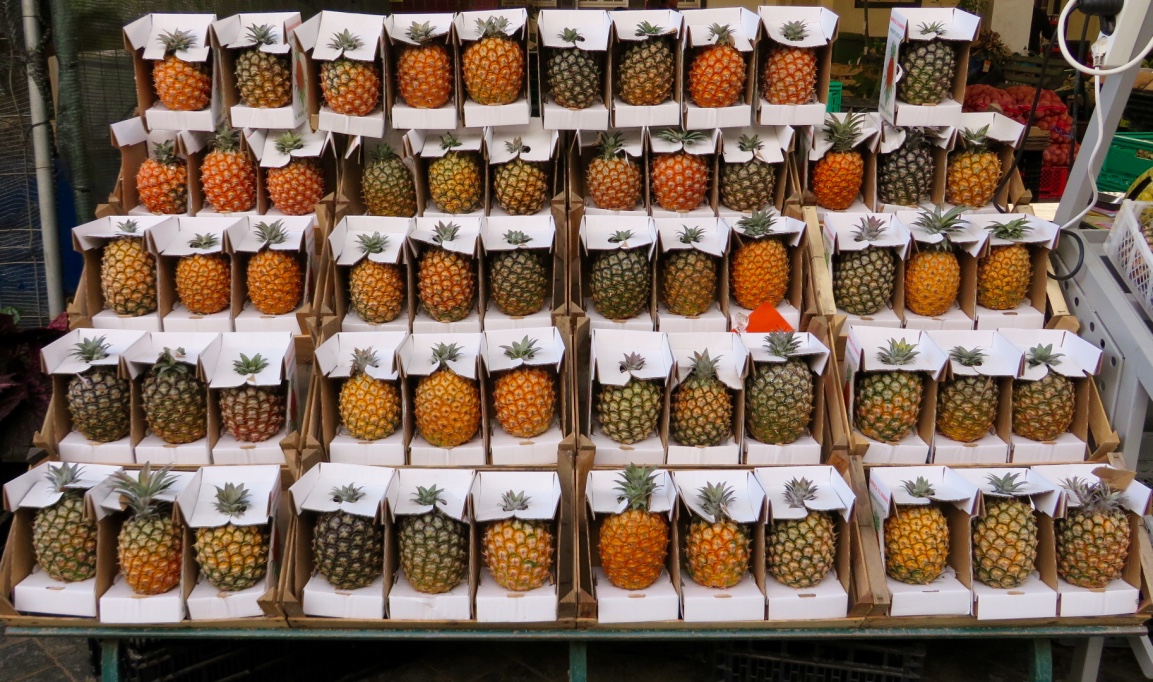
x=447 y=284
x=688 y=282
x=837 y=179
x=176 y=407
x=779 y=401
x=799 y=553
x=264 y=80
x=916 y=544
x=204 y=283
x=525 y=401
x=1004 y=277
x=717 y=554
x=760 y=273
x=493 y=70
x=574 y=78
x=620 y=283
x=1043 y=409
x=888 y=405
x=929 y=67
x=1092 y=547
x=633 y=546
x=454 y=182
x=149 y=549
x=252 y=414
x=350 y=87
x=433 y=551
x=376 y=291
x=370 y=408
x=972 y=178
x=967 y=407
x=98 y=403
x=64 y=540
x=447 y=409
x=702 y=412
x=231 y=557
x=932 y=282
x=646 y=73
x=128 y=277
x=519 y=553
x=1005 y=543
x=863 y=280
x=518 y=281
x=347 y=550
x=629 y=414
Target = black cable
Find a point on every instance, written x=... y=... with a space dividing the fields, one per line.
x=1080 y=257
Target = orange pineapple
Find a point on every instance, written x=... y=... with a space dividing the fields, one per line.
x=424 y=70
x=350 y=87
x=837 y=177
x=227 y=174
x=446 y=405
x=680 y=179
x=447 y=279
x=790 y=72
x=493 y=67
x=760 y=266
x=717 y=76
x=275 y=278
x=181 y=85
x=296 y=188
x=525 y=397
x=162 y=181
x=612 y=179
x=204 y=280
x=633 y=544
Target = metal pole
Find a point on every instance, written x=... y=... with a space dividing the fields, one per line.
x=45 y=183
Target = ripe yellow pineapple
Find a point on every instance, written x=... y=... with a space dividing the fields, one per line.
x=974 y=172
x=350 y=87
x=298 y=186
x=717 y=74
x=204 y=280
x=680 y=180
x=1093 y=538
x=424 y=70
x=838 y=175
x=933 y=274
x=1004 y=275
x=760 y=267
x=612 y=179
x=524 y=398
x=162 y=181
x=369 y=407
x=275 y=278
x=1043 y=409
x=128 y=273
x=232 y=556
x=228 y=174
x=967 y=403
x=263 y=79
x=790 y=75
x=701 y=414
x=1005 y=537
x=520 y=187
x=493 y=67
x=446 y=405
x=717 y=549
x=455 y=179
x=688 y=276
x=376 y=290
x=519 y=552
x=181 y=85
x=446 y=279
x=916 y=538
x=634 y=544
x=150 y=543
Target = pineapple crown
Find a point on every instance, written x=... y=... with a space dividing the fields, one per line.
x=870 y=229
x=226 y=140
x=448 y=142
x=1043 y=355
x=372 y=243
x=705 y=367
x=346 y=493
x=418 y=32
x=204 y=241
x=91 y=350
x=271 y=233
x=165 y=152
x=345 y=40
x=289 y=142
x=492 y=27
x=168 y=363
x=250 y=365
x=1094 y=497
x=750 y=143
x=428 y=497
x=682 y=137
x=264 y=34
x=128 y=227
x=722 y=33
x=570 y=35
x=63 y=475
x=715 y=499
x=782 y=344
x=363 y=358
x=621 y=237
x=516 y=146
x=919 y=488
x=525 y=349
x=233 y=499
x=798 y=491
x=611 y=144
x=843 y=133
x=632 y=362
x=444 y=353
x=516 y=238
x=383 y=152
x=514 y=501
x=175 y=41
x=758 y=225
x=937 y=29
x=794 y=31
x=140 y=493
x=899 y=352
x=975 y=141
x=968 y=357
x=636 y=485
x=690 y=235
x=1006 y=485
x=445 y=233
x=648 y=30
x=934 y=222
x=1014 y=229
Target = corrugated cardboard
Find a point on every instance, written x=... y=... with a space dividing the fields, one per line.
x=1040 y=240
x=776 y=146
x=543 y=238
x=838 y=229
x=172 y=239
x=968 y=243
x=299 y=233
x=346 y=251
x=89 y=240
x=790 y=231
x=706 y=148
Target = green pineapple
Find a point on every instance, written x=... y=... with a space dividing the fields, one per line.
x=387 y=186
x=629 y=413
x=863 y=280
x=433 y=545
x=175 y=400
x=929 y=65
x=63 y=538
x=621 y=279
x=779 y=396
x=888 y=403
x=574 y=75
x=347 y=549
x=800 y=552
x=98 y=398
x=905 y=176
x=689 y=277
x=702 y=407
x=518 y=278
x=748 y=186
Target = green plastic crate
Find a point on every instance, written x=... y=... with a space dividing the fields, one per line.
x=834 y=104
x=1130 y=155
x=1109 y=182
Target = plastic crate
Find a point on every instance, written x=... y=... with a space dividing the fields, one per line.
x=1053 y=180
x=834 y=105
x=1130 y=155
x=819 y=661
x=1130 y=253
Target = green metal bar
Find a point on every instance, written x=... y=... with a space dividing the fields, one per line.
x=1041 y=665
x=578 y=662
x=110 y=660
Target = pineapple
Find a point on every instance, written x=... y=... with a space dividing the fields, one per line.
x=928 y=65
x=370 y=408
x=1092 y=539
x=63 y=537
x=227 y=174
x=128 y=273
x=838 y=175
x=181 y=85
x=386 y=185
x=628 y=414
x=376 y=290
x=702 y=407
x=759 y=269
x=967 y=403
x=520 y=187
x=98 y=398
x=350 y=87
x=973 y=174
x=233 y=557
x=888 y=403
x=748 y=186
x=799 y=553
x=790 y=75
x=524 y=398
x=634 y=544
x=493 y=67
x=424 y=72
x=1005 y=538
x=680 y=179
x=454 y=180
x=916 y=538
x=1043 y=409
x=446 y=404
x=717 y=550
x=433 y=545
x=519 y=552
x=1146 y=221
x=252 y=414
x=1005 y=274
x=275 y=278
x=717 y=74
x=779 y=396
x=863 y=280
x=162 y=181
x=647 y=69
x=905 y=175
x=933 y=274
x=620 y=282
x=175 y=399
x=264 y=79
x=297 y=187
x=612 y=179
x=518 y=278
x=689 y=277
x=446 y=279
x=204 y=280
x=574 y=76
x=347 y=549
x=150 y=544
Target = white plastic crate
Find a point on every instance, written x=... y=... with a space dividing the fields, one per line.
x=1130 y=253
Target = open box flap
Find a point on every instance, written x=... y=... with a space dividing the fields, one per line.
x=197 y=502
x=659 y=145
x=868 y=134
x=34 y=490
x=744 y=24
x=1042 y=493
x=549 y=343
x=625 y=22
x=334 y=356
x=967 y=236
x=748 y=498
x=775 y=141
x=186 y=347
x=427 y=143
x=785 y=226
x=839 y=228
x=367 y=27
x=129 y=132
x=957 y=24
x=417 y=360
x=107 y=500
x=174 y=237
x=540 y=230
x=714 y=238
x=57 y=357
x=632 y=139
x=596 y=231
x=313 y=144
x=542 y=488
x=892 y=137
x=456 y=484
x=609 y=346
x=810 y=348
x=603 y=497
x=233 y=32
x=296 y=233
x=96 y=233
x=1002 y=358
x=466 y=22
x=865 y=343
x=275 y=347
x=1136 y=498
x=820 y=22
x=724 y=348
x=593 y=26
x=466 y=237
x=314 y=489
x=1041 y=232
x=346 y=236
x=1001 y=127
x=146 y=31
x=886 y=484
x=541 y=143
x=833 y=493
x=1079 y=357
x=397 y=25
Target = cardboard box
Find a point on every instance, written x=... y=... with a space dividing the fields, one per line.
x=495 y=604
x=299 y=236
x=197 y=507
x=968 y=243
x=951 y=593
x=173 y=239
x=821 y=31
x=317 y=145
x=358 y=156
x=137 y=145
x=839 y=238
x=940 y=141
x=706 y=148
x=417 y=361
x=541 y=450
x=539 y=147
x=1001 y=364
x=776 y=144
x=597 y=234
x=231 y=38
x=594 y=29
x=403 y=115
x=791 y=233
x=422 y=238
x=905 y=30
x=260 y=202
x=584 y=150
x=607 y=349
x=428 y=146
x=697 y=36
x=1041 y=239
x=1004 y=135
x=142 y=38
x=731 y=356
x=809 y=448
x=542 y=234
x=313 y=42
x=345 y=246
x=478 y=115
x=862 y=356
x=89 y=240
x=867 y=143
x=625 y=23
x=714 y=244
